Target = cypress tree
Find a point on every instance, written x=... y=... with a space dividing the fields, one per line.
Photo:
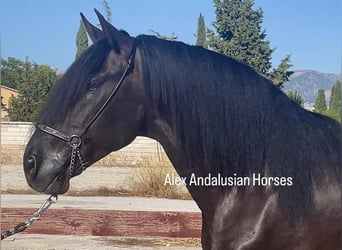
x=81 y=40
x=201 y=33
x=320 y=103
x=335 y=102
x=240 y=35
x=296 y=97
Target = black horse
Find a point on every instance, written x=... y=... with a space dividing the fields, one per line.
x=216 y=118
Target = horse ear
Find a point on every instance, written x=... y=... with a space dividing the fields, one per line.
x=120 y=41
x=94 y=33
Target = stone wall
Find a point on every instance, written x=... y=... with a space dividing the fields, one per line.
x=15 y=135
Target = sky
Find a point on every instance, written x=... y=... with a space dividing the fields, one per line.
x=45 y=31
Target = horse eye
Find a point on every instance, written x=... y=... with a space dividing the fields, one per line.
x=93 y=84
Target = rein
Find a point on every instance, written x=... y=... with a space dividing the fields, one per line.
x=75 y=141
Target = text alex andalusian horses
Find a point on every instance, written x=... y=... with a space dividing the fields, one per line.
x=219 y=122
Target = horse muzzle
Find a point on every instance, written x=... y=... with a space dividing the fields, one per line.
x=44 y=175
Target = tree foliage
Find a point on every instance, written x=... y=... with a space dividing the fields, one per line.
x=81 y=40
x=239 y=35
x=320 y=103
x=107 y=10
x=281 y=74
x=171 y=37
x=201 y=37
x=11 y=72
x=34 y=82
x=334 y=110
x=296 y=97
x=335 y=102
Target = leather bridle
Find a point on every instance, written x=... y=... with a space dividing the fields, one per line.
x=75 y=141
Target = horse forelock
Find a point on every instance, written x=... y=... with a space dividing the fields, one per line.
x=72 y=86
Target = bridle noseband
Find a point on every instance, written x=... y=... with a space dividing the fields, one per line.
x=75 y=141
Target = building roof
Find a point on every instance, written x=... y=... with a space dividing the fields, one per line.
x=8 y=88
x=6 y=94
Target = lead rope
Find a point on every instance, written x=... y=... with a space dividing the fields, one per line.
x=36 y=216
x=53 y=198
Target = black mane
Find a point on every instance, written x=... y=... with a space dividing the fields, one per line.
x=73 y=85
x=232 y=120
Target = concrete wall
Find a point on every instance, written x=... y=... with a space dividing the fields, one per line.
x=15 y=135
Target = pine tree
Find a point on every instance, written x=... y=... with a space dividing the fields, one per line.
x=335 y=102
x=320 y=103
x=281 y=74
x=201 y=33
x=240 y=35
x=81 y=40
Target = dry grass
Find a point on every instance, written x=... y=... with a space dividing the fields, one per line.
x=152 y=242
x=101 y=191
x=19 y=191
x=148 y=180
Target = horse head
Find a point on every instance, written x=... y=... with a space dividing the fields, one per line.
x=95 y=108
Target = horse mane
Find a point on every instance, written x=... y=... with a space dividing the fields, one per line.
x=73 y=85
x=232 y=120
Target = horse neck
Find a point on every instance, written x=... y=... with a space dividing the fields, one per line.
x=160 y=130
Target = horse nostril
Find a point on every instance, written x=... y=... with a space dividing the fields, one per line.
x=32 y=167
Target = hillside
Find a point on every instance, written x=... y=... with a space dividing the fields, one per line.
x=307 y=83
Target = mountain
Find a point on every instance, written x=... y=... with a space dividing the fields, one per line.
x=308 y=82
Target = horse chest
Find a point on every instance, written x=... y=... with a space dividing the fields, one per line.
x=243 y=222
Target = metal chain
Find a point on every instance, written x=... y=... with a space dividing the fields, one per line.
x=75 y=151
x=22 y=226
x=72 y=161
x=81 y=160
